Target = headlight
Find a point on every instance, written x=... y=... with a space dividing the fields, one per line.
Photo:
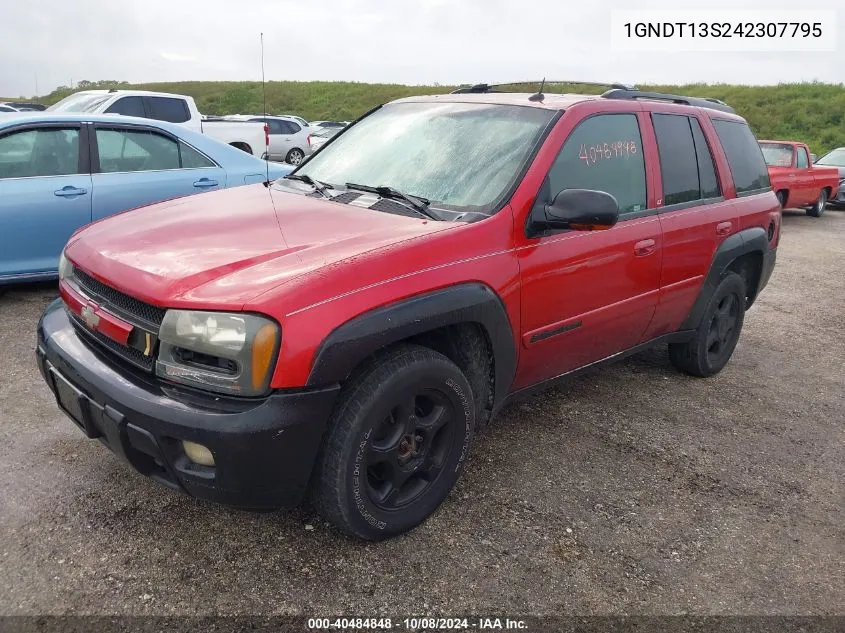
x=218 y=351
x=65 y=267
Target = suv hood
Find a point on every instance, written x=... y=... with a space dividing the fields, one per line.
x=225 y=248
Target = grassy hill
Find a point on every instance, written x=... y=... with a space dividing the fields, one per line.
x=809 y=112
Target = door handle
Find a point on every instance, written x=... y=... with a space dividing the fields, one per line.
x=205 y=182
x=69 y=191
x=724 y=228
x=645 y=247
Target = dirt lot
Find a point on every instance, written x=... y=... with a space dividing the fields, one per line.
x=634 y=490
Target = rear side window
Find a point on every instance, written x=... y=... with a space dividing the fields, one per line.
x=604 y=153
x=706 y=166
x=745 y=159
x=128 y=106
x=678 y=162
x=686 y=164
x=169 y=109
x=803 y=160
x=136 y=150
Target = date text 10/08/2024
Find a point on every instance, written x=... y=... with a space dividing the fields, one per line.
x=416 y=623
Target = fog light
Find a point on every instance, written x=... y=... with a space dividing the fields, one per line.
x=198 y=453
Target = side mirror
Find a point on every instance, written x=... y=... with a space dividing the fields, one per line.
x=813 y=158
x=582 y=210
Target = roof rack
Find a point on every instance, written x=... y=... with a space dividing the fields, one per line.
x=701 y=102
x=482 y=88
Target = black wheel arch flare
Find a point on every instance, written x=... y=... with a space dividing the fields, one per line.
x=749 y=241
x=352 y=342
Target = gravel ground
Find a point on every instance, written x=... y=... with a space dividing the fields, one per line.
x=632 y=490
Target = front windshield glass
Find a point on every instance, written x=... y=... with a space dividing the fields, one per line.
x=79 y=103
x=777 y=154
x=457 y=155
x=835 y=158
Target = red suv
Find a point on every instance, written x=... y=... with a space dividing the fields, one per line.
x=343 y=333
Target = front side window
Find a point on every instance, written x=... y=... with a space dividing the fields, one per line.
x=128 y=106
x=604 y=153
x=803 y=160
x=461 y=156
x=39 y=152
x=135 y=150
x=745 y=158
x=169 y=109
x=777 y=154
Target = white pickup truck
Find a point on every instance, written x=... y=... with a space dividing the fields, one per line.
x=248 y=136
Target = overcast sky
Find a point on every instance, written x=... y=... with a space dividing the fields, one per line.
x=403 y=41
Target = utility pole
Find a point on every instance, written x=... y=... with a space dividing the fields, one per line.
x=36 y=85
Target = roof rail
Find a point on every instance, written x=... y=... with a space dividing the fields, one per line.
x=482 y=88
x=701 y=102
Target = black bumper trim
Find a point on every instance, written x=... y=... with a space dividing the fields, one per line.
x=264 y=449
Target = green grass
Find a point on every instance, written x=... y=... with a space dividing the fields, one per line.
x=810 y=112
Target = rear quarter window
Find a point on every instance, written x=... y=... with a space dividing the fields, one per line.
x=745 y=158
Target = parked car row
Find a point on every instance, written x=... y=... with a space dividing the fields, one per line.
x=292 y=138
x=798 y=181
x=59 y=172
x=162 y=106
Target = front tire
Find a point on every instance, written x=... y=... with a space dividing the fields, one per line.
x=716 y=336
x=396 y=443
x=817 y=209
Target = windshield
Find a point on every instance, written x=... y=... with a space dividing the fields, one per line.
x=777 y=154
x=835 y=158
x=79 y=103
x=457 y=155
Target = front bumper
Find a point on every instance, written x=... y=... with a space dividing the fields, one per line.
x=264 y=449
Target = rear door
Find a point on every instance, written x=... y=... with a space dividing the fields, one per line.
x=45 y=195
x=694 y=214
x=135 y=166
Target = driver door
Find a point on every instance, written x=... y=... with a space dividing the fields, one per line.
x=587 y=295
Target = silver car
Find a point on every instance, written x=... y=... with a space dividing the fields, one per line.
x=288 y=139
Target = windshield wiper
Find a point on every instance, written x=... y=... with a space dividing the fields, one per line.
x=420 y=205
x=319 y=187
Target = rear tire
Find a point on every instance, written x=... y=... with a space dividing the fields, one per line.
x=395 y=444
x=782 y=197
x=295 y=156
x=717 y=335
x=817 y=209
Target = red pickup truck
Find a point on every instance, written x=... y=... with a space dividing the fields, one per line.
x=344 y=332
x=796 y=180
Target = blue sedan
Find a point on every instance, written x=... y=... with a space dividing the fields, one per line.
x=60 y=172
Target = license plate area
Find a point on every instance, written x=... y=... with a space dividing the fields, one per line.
x=78 y=407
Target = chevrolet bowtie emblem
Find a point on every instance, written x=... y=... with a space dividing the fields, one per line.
x=90 y=317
